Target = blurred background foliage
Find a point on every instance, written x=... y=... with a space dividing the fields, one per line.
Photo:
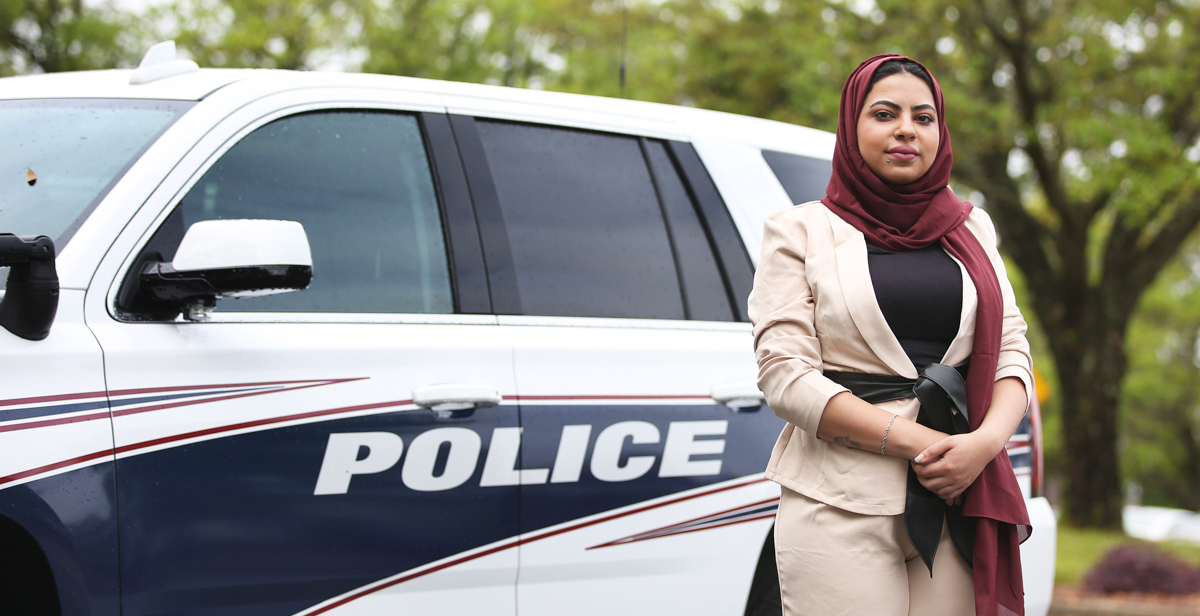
x=1075 y=124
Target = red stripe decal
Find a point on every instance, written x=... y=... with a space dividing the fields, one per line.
x=171 y=405
x=125 y=392
x=639 y=510
x=158 y=390
x=53 y=467
x=684 y=532
x=52 y=422
x=169 y=439
x=512 y=544
x=685 y=522
x=258 y=422
x=435 y=569
x=58 y=398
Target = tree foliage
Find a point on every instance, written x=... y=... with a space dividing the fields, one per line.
x=47 y=36
x=1160 y=422
x=493 y=42
x=285 y=34
x=1070 y=119
x=1075 y=126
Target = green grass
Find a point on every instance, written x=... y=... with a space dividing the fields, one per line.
x=1079 y=550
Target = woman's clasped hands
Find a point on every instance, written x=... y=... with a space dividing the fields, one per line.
x=948 y=467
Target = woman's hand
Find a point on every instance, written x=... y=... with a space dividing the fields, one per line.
x=948 y=467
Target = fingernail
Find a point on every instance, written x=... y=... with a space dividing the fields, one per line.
x=920 y=458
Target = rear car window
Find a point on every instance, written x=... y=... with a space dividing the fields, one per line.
x=803 y=177
x=704 y=287
x=585 y=228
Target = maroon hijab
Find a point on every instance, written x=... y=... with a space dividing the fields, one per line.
x=908 y=217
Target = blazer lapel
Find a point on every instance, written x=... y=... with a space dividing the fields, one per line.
x=964 y=340
x=854 y=275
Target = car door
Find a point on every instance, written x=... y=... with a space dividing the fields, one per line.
x=643 y=434
x=274 y=459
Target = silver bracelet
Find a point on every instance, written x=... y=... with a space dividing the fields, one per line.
x=883 y=447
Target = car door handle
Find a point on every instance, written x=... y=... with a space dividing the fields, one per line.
x=456 y=398
x=743 y=397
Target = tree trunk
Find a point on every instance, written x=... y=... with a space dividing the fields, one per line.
x=1090 y=372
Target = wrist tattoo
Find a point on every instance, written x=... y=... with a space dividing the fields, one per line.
x=846 y=441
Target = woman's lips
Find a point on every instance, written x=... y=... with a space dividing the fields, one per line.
x=903 y=153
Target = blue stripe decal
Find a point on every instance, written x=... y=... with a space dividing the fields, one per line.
x=58 y=409
x=133 y=401
x=75 y=407
x=740 y=514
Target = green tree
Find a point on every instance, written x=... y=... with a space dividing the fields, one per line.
x=49 y=36
x=565 y=45
x=1160 y=420
x=1074 y=122
x=626 y=49
x=481 y=42
x=284 y=34
x=780 y=60
x=1077 y=123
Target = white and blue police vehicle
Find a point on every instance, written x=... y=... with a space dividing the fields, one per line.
x=281 y=343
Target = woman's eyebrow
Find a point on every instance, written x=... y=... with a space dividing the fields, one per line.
x=887 y=103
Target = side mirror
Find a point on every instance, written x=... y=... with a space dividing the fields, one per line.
x=31 y=296
x=218 y=259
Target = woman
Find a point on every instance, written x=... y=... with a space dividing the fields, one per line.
x=888 y=279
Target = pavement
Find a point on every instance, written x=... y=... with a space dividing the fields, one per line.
x=1073 y=602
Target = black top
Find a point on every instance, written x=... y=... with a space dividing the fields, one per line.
x=920 y=294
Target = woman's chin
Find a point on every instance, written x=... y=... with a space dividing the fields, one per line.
x=897 y=179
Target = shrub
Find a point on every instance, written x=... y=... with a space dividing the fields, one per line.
x=1139 y=567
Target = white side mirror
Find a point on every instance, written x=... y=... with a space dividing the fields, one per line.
x=230 y=258
x=228 y=244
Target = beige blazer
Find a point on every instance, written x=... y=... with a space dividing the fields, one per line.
x=814 y=309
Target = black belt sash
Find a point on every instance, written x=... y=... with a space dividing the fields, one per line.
x=942 y=390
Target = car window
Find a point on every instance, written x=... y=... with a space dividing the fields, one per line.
x=63 y=156
x=585 y=228
x=704 y=288
x=804 y=178
x=360 y=184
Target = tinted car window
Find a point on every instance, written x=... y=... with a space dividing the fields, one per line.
x=584 y=225
x=805 y=179
x=360 y=184
x=704 y=288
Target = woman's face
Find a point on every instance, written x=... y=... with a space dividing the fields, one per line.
x=898 y=129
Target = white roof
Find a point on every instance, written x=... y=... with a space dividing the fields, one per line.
x=115 y=84
x=196 y=85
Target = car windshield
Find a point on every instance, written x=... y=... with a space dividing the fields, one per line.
x=62 y=156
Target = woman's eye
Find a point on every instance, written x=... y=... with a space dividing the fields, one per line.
x=883 y=115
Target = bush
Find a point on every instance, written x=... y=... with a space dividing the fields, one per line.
x=1139 y=567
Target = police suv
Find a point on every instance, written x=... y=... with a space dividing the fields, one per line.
x=284 y=343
